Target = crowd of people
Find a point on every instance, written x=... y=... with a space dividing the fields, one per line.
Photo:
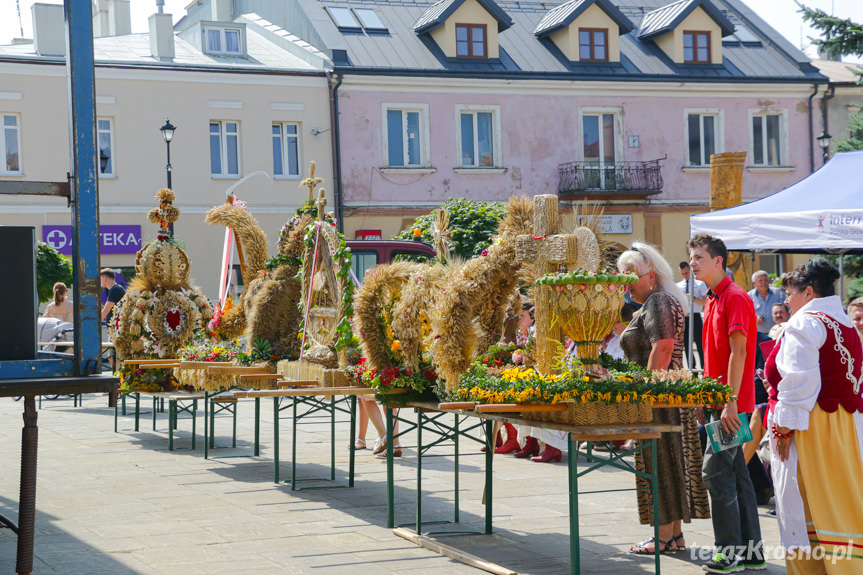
x=793 y=358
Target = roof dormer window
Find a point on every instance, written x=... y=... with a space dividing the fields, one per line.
x=585 y=30
x=465 y=28
x=696 y=47
x=470 y=40
x=593 y=44
x=688 y=31
x=224 y=40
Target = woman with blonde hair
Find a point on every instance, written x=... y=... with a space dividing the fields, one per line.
x=60 y=307
x=654 y=339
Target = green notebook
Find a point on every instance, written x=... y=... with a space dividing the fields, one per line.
x=722 y=440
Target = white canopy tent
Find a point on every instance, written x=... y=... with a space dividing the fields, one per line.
x=821 y=213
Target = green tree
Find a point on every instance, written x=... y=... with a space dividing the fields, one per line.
x=51 y=268
x=471 y=224
x=854 y=141
x=839 y=36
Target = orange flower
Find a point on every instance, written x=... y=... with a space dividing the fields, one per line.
x=396 y=345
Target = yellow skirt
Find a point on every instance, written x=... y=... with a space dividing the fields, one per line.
x=829 y=471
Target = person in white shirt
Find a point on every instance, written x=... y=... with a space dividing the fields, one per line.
x=699 y=292
x=611 y=343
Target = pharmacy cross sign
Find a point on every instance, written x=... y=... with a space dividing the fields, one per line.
x=125 y=239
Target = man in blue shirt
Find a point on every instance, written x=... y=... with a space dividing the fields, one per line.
x=764 y=296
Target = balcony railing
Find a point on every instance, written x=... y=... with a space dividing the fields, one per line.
x=642 y=178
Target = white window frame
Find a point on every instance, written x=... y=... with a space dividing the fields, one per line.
x=113 y=157
x=241 y=39
x=425 y=140
x=783 y=137
x=719 y=126
x=284 y=146
x=3 y=128
x=497 y=158
x=617 y=112
x=223 y=149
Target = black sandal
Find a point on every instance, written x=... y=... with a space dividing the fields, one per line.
x=641 y=548
x=678 y=547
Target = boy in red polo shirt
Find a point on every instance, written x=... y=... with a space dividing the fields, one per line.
x=729 y=354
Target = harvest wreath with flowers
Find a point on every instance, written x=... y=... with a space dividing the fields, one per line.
x=620 y=382
x=162 y=310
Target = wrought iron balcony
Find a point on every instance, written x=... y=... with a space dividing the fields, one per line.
x=620 y=178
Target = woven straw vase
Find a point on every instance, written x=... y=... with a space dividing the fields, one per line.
x=586 y=312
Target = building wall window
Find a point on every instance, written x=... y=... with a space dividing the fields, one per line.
x=696 y=47
x=406 y=135
x=602 y=147
x=479 y=136
x=767 y=139
x=10 y=144
x=286 y=149
x=105 y=130
x=224 y=148
x=220 y=40
x=593 y=45
x=703 y=136
x=470 y=40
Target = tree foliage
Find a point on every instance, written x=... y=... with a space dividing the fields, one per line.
x=51 y=268
x=854 y=141
x=839 y=36
x=471 y=224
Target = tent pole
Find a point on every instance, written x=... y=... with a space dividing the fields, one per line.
x=842 y=276
x=691 y=319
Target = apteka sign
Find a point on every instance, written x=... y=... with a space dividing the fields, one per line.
x=112 y=239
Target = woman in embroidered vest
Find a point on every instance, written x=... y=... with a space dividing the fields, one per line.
x=815 y=425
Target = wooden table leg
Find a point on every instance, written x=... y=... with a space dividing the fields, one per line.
x=27 y=495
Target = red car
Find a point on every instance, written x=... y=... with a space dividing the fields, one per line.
x=369 y=253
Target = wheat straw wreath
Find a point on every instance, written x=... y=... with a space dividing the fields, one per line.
x=172 y=321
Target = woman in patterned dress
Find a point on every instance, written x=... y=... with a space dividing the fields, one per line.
x=654 y=339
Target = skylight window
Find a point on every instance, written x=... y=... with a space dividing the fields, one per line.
x=370 y=19
x=343 y=17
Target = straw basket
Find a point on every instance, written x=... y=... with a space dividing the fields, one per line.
x=595 y=413
x=586 y=312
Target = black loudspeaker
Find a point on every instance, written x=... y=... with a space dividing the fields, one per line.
x=19 y=304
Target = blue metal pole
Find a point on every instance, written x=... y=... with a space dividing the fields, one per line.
x=85 y=186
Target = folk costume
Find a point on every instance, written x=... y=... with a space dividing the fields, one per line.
x=818 y=489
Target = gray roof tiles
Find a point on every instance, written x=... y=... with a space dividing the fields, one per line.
x=666 y=18
x=262 y=51
x=523 y=54
x=443 y=9
x=562 y=16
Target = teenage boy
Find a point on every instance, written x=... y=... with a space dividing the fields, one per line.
x=729 y=355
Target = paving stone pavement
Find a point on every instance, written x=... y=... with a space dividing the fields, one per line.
x=122 y=504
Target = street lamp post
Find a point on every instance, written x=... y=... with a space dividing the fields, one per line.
x=168 y=135
x=824 y=142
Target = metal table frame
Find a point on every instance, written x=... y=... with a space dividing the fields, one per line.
x=648 y=433
x=318 y=402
